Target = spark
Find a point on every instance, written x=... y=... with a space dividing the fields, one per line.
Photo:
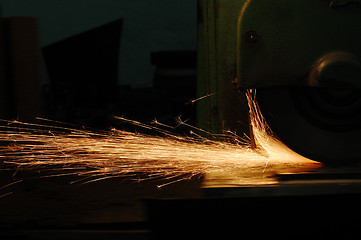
x=200 y=98
x=93 y=156
x=6 y=194
x=6 y=186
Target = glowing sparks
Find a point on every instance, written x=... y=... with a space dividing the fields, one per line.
x=119 y=154
x=94 y=156
x=200 y=98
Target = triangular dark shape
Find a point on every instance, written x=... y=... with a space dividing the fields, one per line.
x=87 y=63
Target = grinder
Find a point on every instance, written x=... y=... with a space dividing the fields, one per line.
x=302 y=56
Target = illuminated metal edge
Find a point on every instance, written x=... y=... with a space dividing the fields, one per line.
x=294 y=189
x=289 y=184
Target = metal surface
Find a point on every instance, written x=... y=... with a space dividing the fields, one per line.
x=280 y=42
x=317 y=181
x=216 y=68
x=305 y=43
x=321 y=124
x=261 y=44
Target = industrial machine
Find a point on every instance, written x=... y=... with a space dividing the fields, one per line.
x=303 y=57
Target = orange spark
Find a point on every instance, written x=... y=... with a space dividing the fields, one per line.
x=94 y=156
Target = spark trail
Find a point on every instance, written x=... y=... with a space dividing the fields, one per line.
x=94 y=156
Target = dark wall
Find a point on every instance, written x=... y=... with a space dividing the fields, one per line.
x=149 y=26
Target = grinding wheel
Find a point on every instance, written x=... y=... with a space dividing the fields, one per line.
x=322 y=124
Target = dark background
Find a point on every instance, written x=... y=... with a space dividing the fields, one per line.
x=93 y=59
x=161 y=25
x=135 y=59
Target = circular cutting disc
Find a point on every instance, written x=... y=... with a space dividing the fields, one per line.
x=319 y=123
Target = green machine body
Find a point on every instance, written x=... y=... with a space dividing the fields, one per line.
x=302 y=56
